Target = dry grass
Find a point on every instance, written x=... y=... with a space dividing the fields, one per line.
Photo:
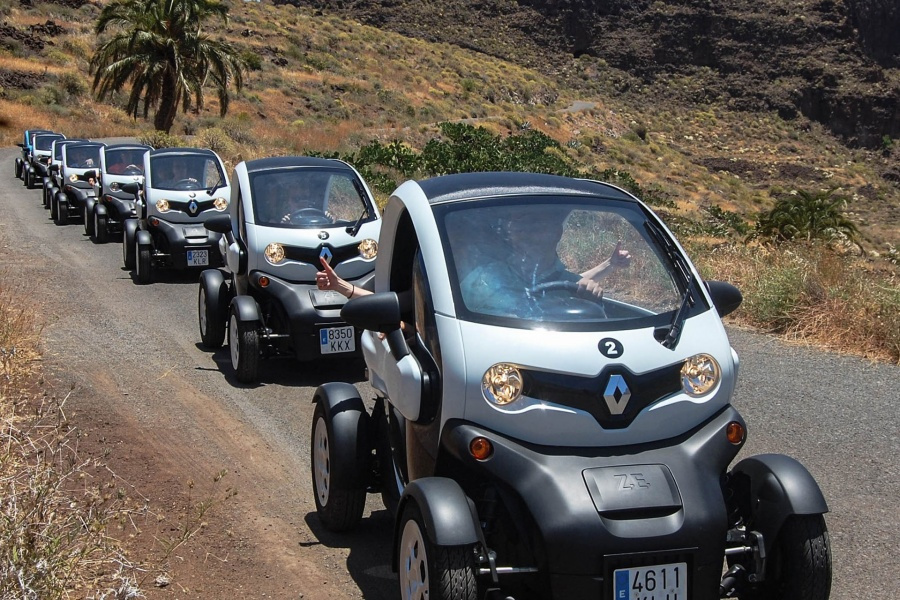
x=812 y=294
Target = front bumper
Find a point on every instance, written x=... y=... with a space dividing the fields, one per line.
x=173 y=241
x=299 y=312
x=577 y=514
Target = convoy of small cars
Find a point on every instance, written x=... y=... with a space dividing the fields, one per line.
x=534 y=433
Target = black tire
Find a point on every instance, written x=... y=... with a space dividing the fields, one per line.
x=211 y=319
x=53 y=205
x=62 y=213
x=428 y=571
x=87 y=213
x=339 y=508
x=27 y=179
x=46 y=197
x=128 y=257
x=142 y=266
x=243 y=343
x=101 y=228
x=18 y=169
x=799 y=565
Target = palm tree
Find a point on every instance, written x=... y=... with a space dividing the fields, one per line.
x=807 y=216
x=161 y=52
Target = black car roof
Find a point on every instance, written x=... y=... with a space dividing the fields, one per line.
x=459 y=186
x=128 y=147
x=280 y=162
x=194 y=151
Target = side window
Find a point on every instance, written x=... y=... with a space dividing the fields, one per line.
x=242 y=223
x=423 y=309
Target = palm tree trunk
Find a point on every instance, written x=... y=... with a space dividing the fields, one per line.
x=168 y=105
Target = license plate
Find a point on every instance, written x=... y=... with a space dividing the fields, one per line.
x=334 y=340
x=656 y=582
x=197 y=258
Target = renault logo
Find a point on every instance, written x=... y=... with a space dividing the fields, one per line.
x=192 y=207
x=617 y=395
x=326 y=254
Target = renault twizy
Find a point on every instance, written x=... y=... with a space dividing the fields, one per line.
x=288 y=214
x=559 y=422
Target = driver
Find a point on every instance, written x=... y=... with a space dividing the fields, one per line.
x=504 y=285
x=174 y=172
x=300 y=201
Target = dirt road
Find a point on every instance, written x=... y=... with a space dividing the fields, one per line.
x=166 y=413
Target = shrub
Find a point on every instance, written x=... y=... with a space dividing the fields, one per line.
x=806 y=216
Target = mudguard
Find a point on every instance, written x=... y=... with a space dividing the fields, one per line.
x=778 y=487
x=100 y=209
x=246 y=308
x=450 y=519
x=130 y=228
x=213 y=282
x=89 y=205
x=142 y=237
x=61 y=198
x=349 y=432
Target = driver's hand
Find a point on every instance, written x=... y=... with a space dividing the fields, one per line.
x=590 y=287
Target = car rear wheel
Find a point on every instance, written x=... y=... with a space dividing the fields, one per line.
x=429 y=571
x=101 y=231
x=142 y=265
x=212 y=322
x=88 y=220
x=243 y=342
x=62 y=213
x=128 y=250
x=333 y=459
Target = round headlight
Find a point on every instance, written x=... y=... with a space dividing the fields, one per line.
x=114 y=186
x=275 y=253
x=162 y=205
x=502 y=384
x=368 y=248
x=220 y=203
x=73 y=177
x=700 y=375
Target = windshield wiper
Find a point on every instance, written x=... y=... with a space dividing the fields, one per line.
x=687 y=279
x=216 y=186
x=365 y=213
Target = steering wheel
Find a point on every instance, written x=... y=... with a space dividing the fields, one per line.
x=572 y=287
x=131 y=170
x=188 y=183
x=309 y=216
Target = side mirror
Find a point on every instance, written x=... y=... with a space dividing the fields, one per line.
x=20 y=144
x=378 y=312
x=131 y=187
x=54 y=168
x=92 y=174
x=726 y=298
x=219 y=224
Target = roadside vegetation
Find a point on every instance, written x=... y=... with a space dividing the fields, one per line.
x=68 y=523
x=804 y=225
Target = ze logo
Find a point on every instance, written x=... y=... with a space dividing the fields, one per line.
x=629 y=481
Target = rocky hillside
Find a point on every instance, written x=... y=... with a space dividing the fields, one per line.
x=831 y=61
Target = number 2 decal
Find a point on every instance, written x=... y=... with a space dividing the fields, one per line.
x=611 y=348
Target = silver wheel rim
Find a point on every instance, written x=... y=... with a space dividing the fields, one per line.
x=201 y=309
x=233 y=343
x=413 y=565
x=321 y=462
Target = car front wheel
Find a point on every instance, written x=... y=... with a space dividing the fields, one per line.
x=333 y=458
x=62 y=213
x=799 y=566
x=243 y=342
x=429 y=571
x=88 y=220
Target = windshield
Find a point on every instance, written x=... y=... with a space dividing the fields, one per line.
x=557 y=260
x=307 y=197
x=125 y=161
x=82 y=157
x=185 y=172
x=44 y=142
